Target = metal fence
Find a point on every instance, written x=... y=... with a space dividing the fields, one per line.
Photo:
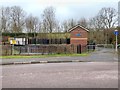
x=43 y=49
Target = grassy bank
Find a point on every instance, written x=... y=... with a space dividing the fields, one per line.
x=42 y=56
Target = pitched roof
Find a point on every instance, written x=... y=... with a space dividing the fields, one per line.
x=71 y=29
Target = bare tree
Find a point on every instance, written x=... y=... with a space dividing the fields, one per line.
x=17 y=19
x=5 y=19
x=83 y=22
x=49 y=20
x=96 y=23
x=67 y=24
x=103 y=22
x=105 y=19
x=39 y=27
x=108 y=17
x=32 y=24
x=71 y=23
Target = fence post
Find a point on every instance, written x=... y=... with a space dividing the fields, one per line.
x=80 y=48
x=20 y=50
x=65 y=49
x=72 y=47
x=12 y=49
x=28 y=49
x=88 y=47
x=93 y=46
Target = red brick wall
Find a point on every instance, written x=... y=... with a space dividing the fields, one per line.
x=78 y=30
x=82 y=39
x=76 y=42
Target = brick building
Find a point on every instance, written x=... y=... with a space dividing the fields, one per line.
x=79 y=38
x=74 y=41
x=78 y=35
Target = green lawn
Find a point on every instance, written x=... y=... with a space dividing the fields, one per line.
x=43 y=56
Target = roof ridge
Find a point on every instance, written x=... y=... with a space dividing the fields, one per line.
x=78 y=25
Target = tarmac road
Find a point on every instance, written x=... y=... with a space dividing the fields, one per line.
x=61 y=75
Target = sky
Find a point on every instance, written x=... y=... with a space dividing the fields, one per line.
x=65 y=9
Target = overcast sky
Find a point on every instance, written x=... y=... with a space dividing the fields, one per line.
x=65 y=9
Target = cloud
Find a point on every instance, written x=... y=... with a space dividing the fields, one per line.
x=65 y=9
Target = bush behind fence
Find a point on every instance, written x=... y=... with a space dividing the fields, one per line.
x=41 y=49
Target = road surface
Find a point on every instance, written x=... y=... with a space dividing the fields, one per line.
x=61 y=75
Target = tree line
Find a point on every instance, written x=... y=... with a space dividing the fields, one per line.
x=15 y=20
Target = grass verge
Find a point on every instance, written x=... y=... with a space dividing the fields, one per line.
x=42 y=56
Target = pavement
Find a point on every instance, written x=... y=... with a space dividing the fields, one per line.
x=99 y=55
